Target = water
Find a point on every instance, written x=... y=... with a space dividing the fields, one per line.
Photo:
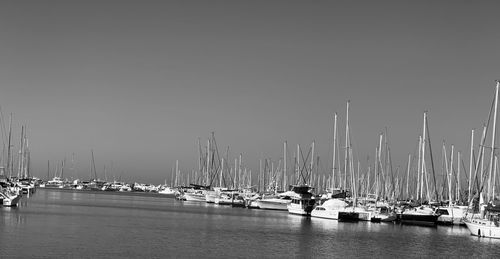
x=64 y=224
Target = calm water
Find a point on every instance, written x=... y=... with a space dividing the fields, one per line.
x=62 y=224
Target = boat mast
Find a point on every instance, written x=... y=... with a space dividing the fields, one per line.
x=457 y=196
x=298 y=165
x=284 y=167
x=9 y=165
x=419 y=166
x=423 y=154
x=493 y=134
x=177 y=171
x=334 y=149
x=221 y=171
x=20 y=158
x=450 y=176
x=379 y=165
x=312 y=162
x=208 y=162
x=470 y=164
x=408 y=176
x=346 y=156
x=239 y=172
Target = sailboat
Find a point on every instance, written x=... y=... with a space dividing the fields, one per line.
x=420 y=215
x=9 y=195
x=486 y=224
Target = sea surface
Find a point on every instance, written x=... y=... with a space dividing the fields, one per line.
x=76 y=224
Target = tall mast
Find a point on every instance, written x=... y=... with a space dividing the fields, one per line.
x=239 y=172
x=176 y=171
x=172 y=177
x=408 y=176
x=470 y=163
x=419 y=165
x=334 y=149
x=221 y=171
x=284 y=167
x=9 y=165
x=208 y=162
x=457 y=197
x=200 y=158
x=450 y=176
x=423 y=153
x=493 y=134
x=20 y=154
x=494 y=177
x=298 y=164
x=312 y=162
x=346 y=144
x=93 y=164
x=379 y=165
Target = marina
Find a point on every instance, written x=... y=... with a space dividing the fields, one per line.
x=167 y=227
x=249 y=129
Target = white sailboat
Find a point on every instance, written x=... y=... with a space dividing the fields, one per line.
x=486 y=224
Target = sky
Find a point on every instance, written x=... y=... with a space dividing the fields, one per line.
x=139 y=82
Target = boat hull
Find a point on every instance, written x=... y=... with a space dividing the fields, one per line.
x=325 y=214
x=483 y=228
x=271 y=204
x=418 y=219
x=11 y=201
x=194 y=197
x=348 y=216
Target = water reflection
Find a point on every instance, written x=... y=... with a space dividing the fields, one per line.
x=159 y=227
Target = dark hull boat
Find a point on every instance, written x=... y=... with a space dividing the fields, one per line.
x=348 y=216
x=420 y=216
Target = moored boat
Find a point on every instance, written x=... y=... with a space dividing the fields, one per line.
x=422 y=215
x=451 y=215
x=275 y=202
x=487 y=223
x=303 y=202
x=329 y=209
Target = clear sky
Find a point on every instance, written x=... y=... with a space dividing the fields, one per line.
x=140 y=81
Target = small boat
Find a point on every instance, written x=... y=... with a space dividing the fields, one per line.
x=166 y=190
x=195 y=193
x=451 y=215
x=303 y=202
x=383 y=214
x=329 y=209
x=9 y=198
x=56 y=182
x=275 y=202
x=423 y=215
x=487 y=226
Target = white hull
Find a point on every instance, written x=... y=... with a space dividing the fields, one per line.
x=384 y=217
x=11 y=201
x=451 y=215
x=325 y=214
x=297 y=209
x=221 y=201
x=211 y=197
x=483 y=228
x=167 y=192
x=194 y=197
x=272 y=204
